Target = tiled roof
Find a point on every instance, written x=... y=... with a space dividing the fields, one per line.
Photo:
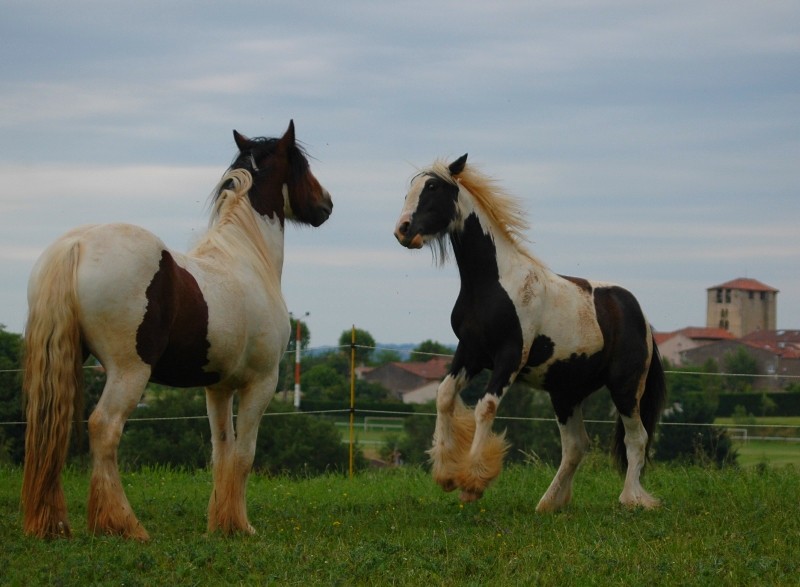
x=744 y=283
x=704 y=333
x=785 y=343
x=436 y=368
x=775 y=336
x=662 y=337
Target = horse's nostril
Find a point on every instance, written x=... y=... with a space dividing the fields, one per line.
x=403 y=228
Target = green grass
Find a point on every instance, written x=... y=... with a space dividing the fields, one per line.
x=395 y=527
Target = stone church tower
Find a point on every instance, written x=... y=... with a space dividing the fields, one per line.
x=742 y=306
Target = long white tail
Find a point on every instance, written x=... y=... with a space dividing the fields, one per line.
x=52 y=384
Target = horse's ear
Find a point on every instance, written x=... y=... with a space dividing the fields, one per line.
x=288 y=136
x=458 y=165
x=241 y=141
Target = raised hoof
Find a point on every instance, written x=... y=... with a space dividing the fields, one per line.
x=470 y=496
x=447 y=485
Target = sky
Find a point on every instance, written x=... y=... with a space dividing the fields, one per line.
x=653 y=144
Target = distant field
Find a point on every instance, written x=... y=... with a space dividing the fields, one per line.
x=772 y=452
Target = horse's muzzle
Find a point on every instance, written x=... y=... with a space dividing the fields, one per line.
x=323 y=211
x=403 y=236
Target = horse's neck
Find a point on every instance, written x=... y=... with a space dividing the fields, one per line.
x=483 y=252
x=256 y=245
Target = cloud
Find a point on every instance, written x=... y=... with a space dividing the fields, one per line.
x=654 y=144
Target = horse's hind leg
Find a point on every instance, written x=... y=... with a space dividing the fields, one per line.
x=633 y=494
x=109 y=511
x=455 y=427
x=574 y=445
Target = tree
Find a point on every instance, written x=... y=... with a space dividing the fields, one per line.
x=693 y=444
x=305 y=335
x=740 y=362
x=384 y=356
x=365 y=345
x=538 y=439
x=324 y=382
x=12 y=436
x=174 y=431
x=416 y=441
x=299 y=444
x=694 y=400
x=429 y=349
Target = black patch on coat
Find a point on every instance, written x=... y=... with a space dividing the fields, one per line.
x=173 y=335
x=541 y=350
x=484 y=318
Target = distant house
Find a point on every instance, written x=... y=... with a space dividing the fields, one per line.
x=776 y=352
x=672 y=345
x=413 y=383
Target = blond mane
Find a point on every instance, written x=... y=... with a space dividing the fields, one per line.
x=233 y=226
x=503 y=210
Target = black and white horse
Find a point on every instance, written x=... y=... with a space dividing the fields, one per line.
x=565 y=335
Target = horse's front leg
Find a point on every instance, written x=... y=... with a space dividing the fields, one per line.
x=452 y=437
x=227 y=508
x=222 y=514
x=484 y=461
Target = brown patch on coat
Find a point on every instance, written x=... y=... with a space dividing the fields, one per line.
x=173 y=335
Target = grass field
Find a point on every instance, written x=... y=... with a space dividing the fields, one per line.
x=394 y=527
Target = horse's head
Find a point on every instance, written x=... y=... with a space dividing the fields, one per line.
x=282 y=180
x=430 y=208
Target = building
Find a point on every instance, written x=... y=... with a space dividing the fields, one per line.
x=414 y=382
x=672 y=345
x=776 y=352
x=742 y=306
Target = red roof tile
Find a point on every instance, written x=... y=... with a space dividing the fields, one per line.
x=744 y=283
x=436 y=368
x=774 y=336
x=704 y=333
x=662 y=337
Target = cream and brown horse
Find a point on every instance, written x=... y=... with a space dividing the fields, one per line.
x=214 y=317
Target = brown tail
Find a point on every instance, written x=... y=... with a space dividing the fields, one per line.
x=52 y=384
